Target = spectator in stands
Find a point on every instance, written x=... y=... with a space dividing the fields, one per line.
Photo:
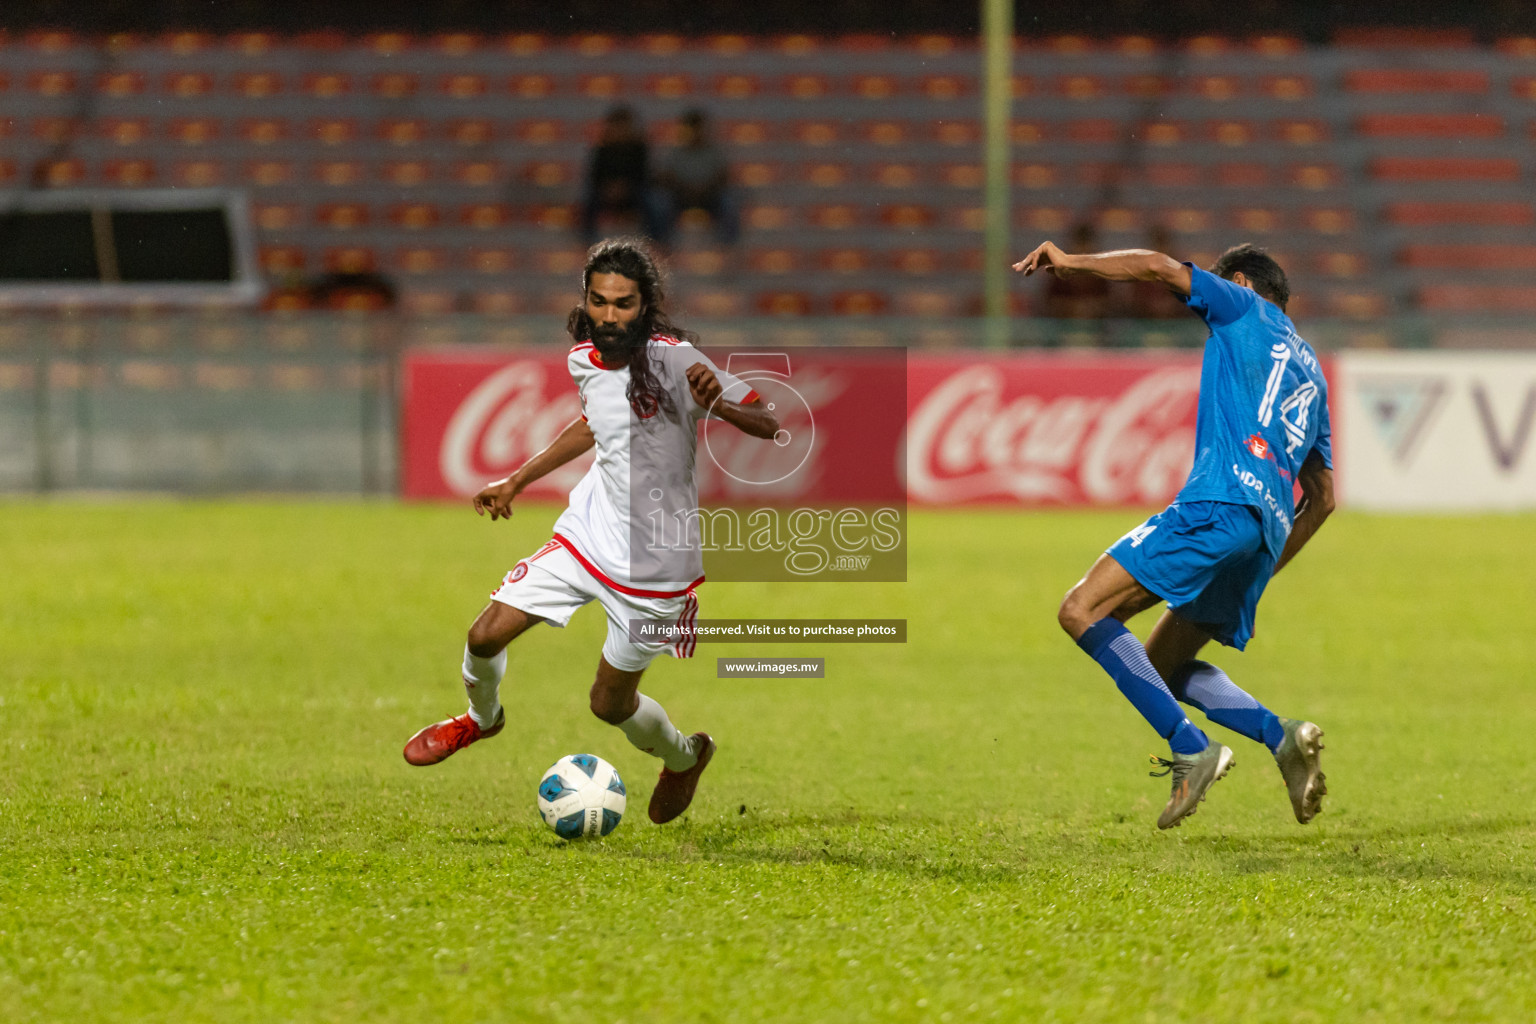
x=1151 y=300
x=696 y=176
x=1080 y=296
x=618 y=177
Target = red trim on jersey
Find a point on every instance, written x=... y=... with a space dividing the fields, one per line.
x=621 y=588
x=752 y=396
x=686 y=619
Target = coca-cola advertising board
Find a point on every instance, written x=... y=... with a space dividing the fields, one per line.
x=1043 y=428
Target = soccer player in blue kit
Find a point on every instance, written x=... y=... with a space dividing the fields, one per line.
x=1261 y=428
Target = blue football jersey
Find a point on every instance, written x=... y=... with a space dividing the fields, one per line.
x=1263 y=405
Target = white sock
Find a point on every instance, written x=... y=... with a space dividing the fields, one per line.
x=482 y=681
x=652 y=731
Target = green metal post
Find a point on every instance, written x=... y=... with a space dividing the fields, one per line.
x=997 y=44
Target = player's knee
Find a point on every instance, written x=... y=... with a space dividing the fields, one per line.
x=612 y=706
x=483 y=641
x=1072 y=616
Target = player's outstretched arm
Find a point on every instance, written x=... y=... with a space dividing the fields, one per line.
x=750 y=418
x=1121 y=265
x=496 y=498
x=1316 y=503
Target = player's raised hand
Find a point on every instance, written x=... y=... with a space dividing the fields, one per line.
x=704 y=385
x=1047 y=256
x=496 y=498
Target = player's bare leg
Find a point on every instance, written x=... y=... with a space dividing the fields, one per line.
x=485 y=661
x=1296 y=745
x=617 y=700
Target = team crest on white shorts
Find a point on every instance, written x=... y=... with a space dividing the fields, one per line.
x=518 y=572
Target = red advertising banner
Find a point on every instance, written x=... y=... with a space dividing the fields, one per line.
x=1060 y=429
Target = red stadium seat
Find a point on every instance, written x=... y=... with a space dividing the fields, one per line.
x=550 y=174
x=1217 y=88
x=796 y=45
x=1023 y=87
x=736 y=87
x=757 y=174
x=1164 y=133
x=746 y=133
x=1472 y=298
x=661 y=44
x=410 y=132
x=782 y=303
x=351 y=259
x=198 y=173
x=62 y=173
x=1082 y=88
x=1379 y=37
x=334 y=132
x=1314 y=177
x=8 y=173
x=1174 y=175
x=563 y=262
x=327 y=85
x=806 y=87
x=1028 y=133
x=895 y=175
x=1300 y=133
x=1431 y=126
x=406 y=173
x=1186 y=221
x=50 y=41
x=277 y=216
x=531 y=87
x=1117 y=219
x=387 y=44
x=1036 y=176
x=859 y=303
x=714 y=302
x=485 y=216
x=51 y=83
x=1102 y=131
x=1405 y=80
x=257 y=85
x=1146 y=86
x=769 y=218
x=542 y=132
x=490 y=260
x=456 y=44
x=1242 y=175
x=906 y=216
x=927 y=303
x=557 y=217
x=1445 y=169
x=423 y=259
x=1426 y=214
x=843 y=261
x=122 y=131
x=1328 y=221
x=1233 y=134
x=187 y=85
x=1290 y=88
x=394 y=85
x=773 y=261
x=339 y=173
x=946 y=88
x=415 y=216
x=1519 y=47
x=473 y=131
x=463 y=86
x=968 y=218
x=54 y=129
x=269 y=172
x=524 y=44
x=601 y=86
x=916 y=261
x=967 y=176
x=874 y=87
x=593 y=44
x=263 y=131
x=429 y=301
x=671 y=86
x=281 y=259
x=885 y=133
x=1469 y=257
x=194 y=131
x=342 y=216
x=251 y=44
x=835 y=217
x=128 y=173
x=817 y=133
x=1134 y=46
x=1340 y=264
x=497 y=303
x=477 y=173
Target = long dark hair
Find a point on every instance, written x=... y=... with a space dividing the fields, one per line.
x=632 y=258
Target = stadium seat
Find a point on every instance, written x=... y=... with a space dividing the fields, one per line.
x=415 y=216
x=531 y=87
x=352 y=259
x=387 y=44
x=1431 y=126
x=1473 y=214
x=1081 y=88
x=197 y=173
x=1256 y=220
x=1314 y=177
x=128 y=173
x=1328 y=221
x=186 y=85
x=1289 y=88
x=342 y=216
x=277 y=216
x=1232 y=134
x=1101 y=130
x=264 y=131
x=8 y=173
x=1146 y=86
x=257 y=85
x=1381 y=37
x=773 y=261
x=420 y=260
x=1406 y=80
x=736 y=87
x=333 y=131
x=759 y=174
x=859 y=303
x=1473 y=298
x=477 y=173
x=394 y=85
x=870 y=87
x=524 y=44
x=946 y=88
x=501 y=302
x=1300 y=133
x=338 y=173
x=714 y=302
x=966 y=176
x=817 y=133
x=51 y=83
x=1164 y=133
x=490 y=260
x=894 y=176
x=1242 y=175
x=402 y=133
x=194 y=131
x=120 y=131
x=805 y=87
x=62 y=173
x=885 y=133
x=1444 y=169
x=906 y=216
x=763 y=217
x=326 y=85
x=485 y=216
x=553 y=217
x=746 y=133
x=1469 y=257
x=406 y=173
x=783 y=303
x=843 y=261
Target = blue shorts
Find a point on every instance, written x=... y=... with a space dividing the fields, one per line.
x=1207 y=559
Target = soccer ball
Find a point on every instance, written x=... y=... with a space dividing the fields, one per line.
x=581 y=797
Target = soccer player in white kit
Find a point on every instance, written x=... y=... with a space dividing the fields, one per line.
x=644 y=388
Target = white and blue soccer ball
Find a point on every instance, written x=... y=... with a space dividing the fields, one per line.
x=581 y=797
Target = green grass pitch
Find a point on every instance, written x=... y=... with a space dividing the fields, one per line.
x=204 y=815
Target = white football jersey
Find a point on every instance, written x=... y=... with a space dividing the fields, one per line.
x=631 y=520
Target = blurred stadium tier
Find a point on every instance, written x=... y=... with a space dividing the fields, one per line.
x=453 y=162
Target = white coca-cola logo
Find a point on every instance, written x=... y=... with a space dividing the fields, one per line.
x=504 y=421
x=743 y=467
x=965 y=442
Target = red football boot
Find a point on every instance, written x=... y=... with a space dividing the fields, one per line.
x=441 y=740
x=674 y=790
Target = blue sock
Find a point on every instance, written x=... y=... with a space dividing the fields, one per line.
x=1207 y=687
x=1119 y=653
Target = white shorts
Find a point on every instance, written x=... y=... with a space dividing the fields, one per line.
x=552 y=584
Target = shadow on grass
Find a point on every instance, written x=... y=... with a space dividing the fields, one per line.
x=1001 y=853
